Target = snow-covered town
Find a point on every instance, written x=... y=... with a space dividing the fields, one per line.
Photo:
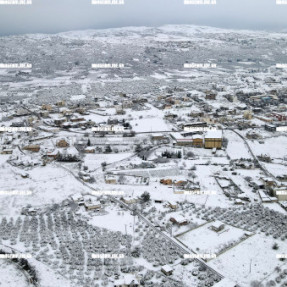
x=144 y=156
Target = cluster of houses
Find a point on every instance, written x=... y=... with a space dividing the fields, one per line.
x=263 y=100
x=88 y=202
x=181 y=185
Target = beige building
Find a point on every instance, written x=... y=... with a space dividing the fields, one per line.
x=281 y=193
x=172 y=205
x=90 y=204
x=213 y=139
x=166 y=270
x=62 y=143
x=110 y=179
x=32 y=147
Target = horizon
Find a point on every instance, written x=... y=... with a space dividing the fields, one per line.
x=72 y=15
x=283 y=31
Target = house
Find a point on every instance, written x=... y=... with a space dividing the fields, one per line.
x=264 y=119
x=281 y=193
x=197 y=113
x=129 y=280
x=181 y=140
x=179 y=220
x=6 y=150
x=52 y=154
x=78 y=198
x=244 y=164
x=18 y=124
x=129 y=200
x=24 y=174
x=158 y=137
x=197 y=126
x=213 y=139
x=32 y=147
x=166 y=181
x=86 y=178
x=167 y=106
x=62 y=143
x=22 y=112
x=59 y=121
x=238 y=202
x=120 y=111
x=89 y=149
x=269 y=182
x=60 y=103
x=210 y=96
x=44 y=114
x=166 y=270
x=76 y=119
x=243 y=197
x=46 y=107
x=81 y=111
x=247 y=115
x=180 y=183
x=270 y=128
x=67 y=125
x=91 y=204
x=32 y=211
x=170 y=116
x=217 y=226
x=110 y=179
x=279 y=117
x=172 y=205
x=266 y=198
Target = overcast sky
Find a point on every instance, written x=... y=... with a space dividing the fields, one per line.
x=53 y=16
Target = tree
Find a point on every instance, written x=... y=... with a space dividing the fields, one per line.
x=275 y=246
x=121 y=179
x=136 y=252
x=138 y=148
x=190 y=154
x=248 y=178
x=103 y=164
x=224 y=142
x=145 y=197
x=108 y=149
x=192 y=175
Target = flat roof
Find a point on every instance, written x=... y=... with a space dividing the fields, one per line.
x=214 y=134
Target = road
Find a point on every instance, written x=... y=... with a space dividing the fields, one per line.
x=266 y=172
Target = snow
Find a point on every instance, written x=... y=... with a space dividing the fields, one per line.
x=204 y=240
x=253 y=259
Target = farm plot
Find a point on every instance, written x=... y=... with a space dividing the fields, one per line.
x=253 y=259
x=204 y=240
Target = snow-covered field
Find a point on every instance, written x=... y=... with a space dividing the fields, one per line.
x=204 y=240
x=253 y=259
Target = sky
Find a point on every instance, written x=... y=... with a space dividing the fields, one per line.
x=53 y=16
